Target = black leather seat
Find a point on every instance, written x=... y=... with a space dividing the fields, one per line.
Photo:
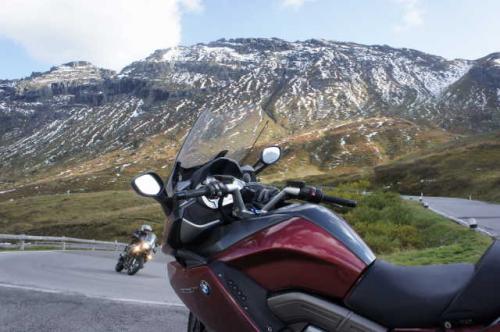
x=425 y=296
x=479 y=301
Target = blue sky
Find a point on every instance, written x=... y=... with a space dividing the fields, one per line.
x=37 y=39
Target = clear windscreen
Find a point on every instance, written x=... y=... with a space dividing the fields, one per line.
x=232 y=129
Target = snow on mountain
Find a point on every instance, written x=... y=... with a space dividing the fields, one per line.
x=78 y=110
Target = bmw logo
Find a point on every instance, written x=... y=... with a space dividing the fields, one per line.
x=205 y=287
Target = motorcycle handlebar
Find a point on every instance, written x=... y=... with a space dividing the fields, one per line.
x=306 y=193
x=186 y=194
x=315 y=195
x=339 y=201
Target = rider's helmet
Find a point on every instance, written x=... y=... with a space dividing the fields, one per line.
x=146 y=228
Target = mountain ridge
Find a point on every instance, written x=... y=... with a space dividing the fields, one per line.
x=77 y=111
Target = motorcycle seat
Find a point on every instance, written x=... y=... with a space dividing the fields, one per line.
x=427 y=296
x=480 y=299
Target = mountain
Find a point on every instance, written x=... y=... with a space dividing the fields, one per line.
x=77 y=119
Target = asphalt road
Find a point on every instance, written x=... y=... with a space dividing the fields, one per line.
x=79 y=290
x=487 y=215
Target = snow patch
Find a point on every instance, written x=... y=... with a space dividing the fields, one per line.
x=7 y=191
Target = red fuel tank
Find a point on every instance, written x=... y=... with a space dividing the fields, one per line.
x=299 y=254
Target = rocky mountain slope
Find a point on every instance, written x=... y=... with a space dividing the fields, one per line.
x=76 y=114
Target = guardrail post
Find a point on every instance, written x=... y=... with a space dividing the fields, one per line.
x=21 y=242
x=116 y=245
x=93 y=245
x=63 y=245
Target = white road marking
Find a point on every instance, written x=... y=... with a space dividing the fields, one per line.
x=55 y=291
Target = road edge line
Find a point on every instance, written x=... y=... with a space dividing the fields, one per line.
x=459 y=221
x=116 y=299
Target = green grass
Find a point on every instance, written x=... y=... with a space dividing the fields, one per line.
x=468 y=167
x=405 y=233
x=105 y=215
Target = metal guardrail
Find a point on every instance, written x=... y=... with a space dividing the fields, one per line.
x=22 y=242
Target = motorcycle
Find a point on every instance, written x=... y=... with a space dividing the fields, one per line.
x=291 y=264
x=134 y=256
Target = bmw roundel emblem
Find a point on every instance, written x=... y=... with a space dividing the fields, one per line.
x=205 y=287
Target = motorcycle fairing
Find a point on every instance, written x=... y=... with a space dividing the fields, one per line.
x=278 y=258
x=334 y=225
x=223 y=237
x=241 y=303
x=191 y=220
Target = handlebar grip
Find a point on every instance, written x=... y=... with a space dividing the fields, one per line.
x=186 y=194
x=315 y=195
x=339 y=201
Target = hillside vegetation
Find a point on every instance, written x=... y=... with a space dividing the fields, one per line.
x=467 y=167
x=406 y=233
x=104 y=215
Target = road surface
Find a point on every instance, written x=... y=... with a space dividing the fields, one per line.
x=79 y=290
x=487 y=215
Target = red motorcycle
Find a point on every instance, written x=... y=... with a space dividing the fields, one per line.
x=251 y=258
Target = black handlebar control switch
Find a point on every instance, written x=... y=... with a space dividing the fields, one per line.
x=296 y=184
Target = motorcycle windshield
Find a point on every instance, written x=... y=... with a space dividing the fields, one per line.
x=234 y=130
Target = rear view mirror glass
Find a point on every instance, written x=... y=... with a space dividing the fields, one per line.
x=270 y=155
x=149 y=184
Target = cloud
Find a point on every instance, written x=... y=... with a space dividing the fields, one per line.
x=295 y=4
x=413 y=15
x=109 y=33
x=192 y=5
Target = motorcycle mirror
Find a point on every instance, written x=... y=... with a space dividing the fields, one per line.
x=270 y=155
x=148 y=184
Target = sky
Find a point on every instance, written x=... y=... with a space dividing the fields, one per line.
x=37 y=34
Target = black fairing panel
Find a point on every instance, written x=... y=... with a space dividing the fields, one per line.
x=222 y=237
x=217 y=166
x=479 y=301
x=249 y=295
x=408 y=296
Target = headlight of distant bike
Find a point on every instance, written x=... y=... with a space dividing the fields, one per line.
x=145 y=246
x=136 y=249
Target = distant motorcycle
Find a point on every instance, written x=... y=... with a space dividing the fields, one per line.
x=136 y=254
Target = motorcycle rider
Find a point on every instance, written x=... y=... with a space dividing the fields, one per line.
x=144 y=233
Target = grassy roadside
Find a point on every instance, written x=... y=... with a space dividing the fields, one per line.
x=405 y=233
x=104 y=215
x=471 y=167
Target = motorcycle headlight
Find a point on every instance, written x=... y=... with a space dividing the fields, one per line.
x=145 y=246
x=136 y=249
x=149 y=257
